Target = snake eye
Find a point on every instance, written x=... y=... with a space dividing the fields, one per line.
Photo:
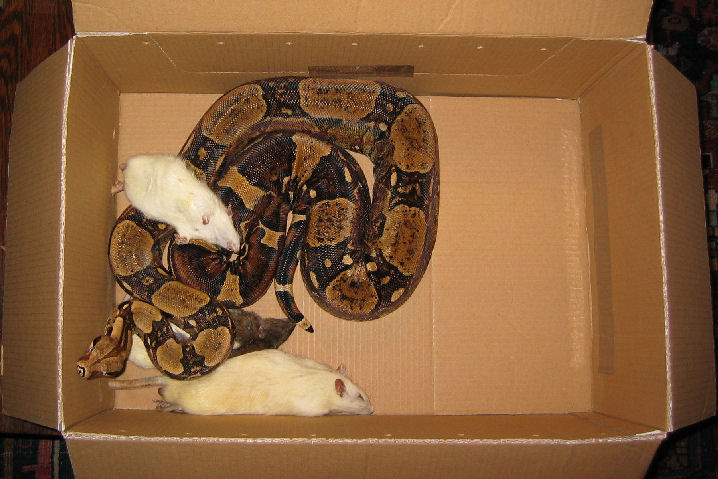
x=81 y=371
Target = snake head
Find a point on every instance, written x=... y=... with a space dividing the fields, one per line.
x=106 y=357
x=107 y=354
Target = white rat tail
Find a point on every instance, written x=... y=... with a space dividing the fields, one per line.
x=136 y=383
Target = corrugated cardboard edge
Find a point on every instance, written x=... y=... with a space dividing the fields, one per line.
x=61 y=278
x=690 y=367
x=596 y=19
x=648 y=436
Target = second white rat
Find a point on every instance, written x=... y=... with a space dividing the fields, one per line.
x=164 y=189
x=269 y=381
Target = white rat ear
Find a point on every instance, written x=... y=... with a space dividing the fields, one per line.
x=342 y=369
x=340 y=387
x=205 y=219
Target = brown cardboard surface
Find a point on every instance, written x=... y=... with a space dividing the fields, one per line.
x=385 y=446
x=473 y=320
x=596 y=19
x=691 y=372
x=322 y=459
x=406 y=446
x=35 y=224
x=91 y=147
x=509 y=266
x=631 y=275
x=521 y=427
x=443 y=64
x=427 y=54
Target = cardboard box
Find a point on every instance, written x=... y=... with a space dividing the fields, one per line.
x=563 y=327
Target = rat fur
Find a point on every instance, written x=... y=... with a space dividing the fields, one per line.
x=254 y=332
x=164 y=189
x=270 y=381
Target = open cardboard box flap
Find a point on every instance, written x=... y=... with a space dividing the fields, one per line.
x=554 y=18
x=581 y=347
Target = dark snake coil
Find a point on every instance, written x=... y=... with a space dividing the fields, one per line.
x=276 y=149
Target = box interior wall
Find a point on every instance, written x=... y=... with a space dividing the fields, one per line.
x=561 y=321
x=436 y=355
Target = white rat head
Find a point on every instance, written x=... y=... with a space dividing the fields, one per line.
x=348 y=398
x=164 y=189
x=215 y=226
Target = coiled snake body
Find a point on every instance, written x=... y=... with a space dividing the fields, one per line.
x=268 y=149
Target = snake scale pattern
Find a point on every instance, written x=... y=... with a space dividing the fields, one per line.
x=277 y=151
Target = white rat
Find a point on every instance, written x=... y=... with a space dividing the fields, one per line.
x=269 y=381
x=164 y=189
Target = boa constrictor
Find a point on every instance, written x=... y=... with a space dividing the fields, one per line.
x=268 y=148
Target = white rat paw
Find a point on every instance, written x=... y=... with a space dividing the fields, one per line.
x=117 y=186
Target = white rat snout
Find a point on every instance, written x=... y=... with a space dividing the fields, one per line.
x=216 y=228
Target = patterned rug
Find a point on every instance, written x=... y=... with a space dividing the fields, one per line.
x=28 y=458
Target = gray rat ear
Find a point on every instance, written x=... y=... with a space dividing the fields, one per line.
x=340 y=387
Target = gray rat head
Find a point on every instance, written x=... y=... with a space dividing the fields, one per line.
x=254 y=332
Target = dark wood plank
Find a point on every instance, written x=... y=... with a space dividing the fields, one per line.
x=30 y=30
